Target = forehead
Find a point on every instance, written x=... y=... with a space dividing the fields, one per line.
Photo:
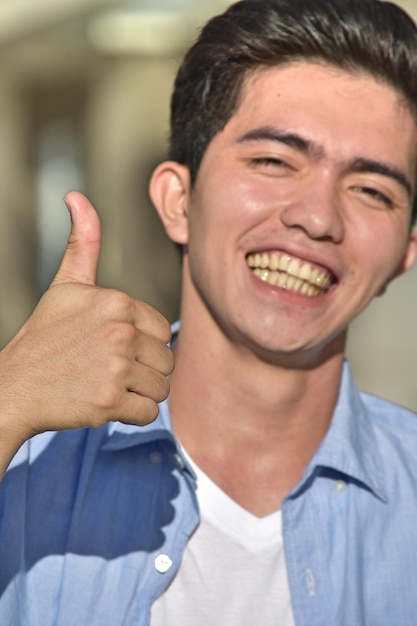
x=344 y=111
x=306 y=82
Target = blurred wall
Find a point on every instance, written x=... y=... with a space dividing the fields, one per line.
x=84 y=104
x=84 y=94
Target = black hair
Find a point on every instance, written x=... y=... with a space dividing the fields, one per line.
x=370 y=36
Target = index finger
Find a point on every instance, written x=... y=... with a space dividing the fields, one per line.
x=150 y=321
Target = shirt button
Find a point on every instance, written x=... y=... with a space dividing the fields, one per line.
x=340 y=486
x=179 y=460
x=155 y=458
x=163 y=563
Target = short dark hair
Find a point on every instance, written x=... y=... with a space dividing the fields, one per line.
x=370 y=36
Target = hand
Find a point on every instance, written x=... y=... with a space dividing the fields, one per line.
x=86 y=355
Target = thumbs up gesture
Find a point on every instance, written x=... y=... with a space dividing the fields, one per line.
x=87 y=355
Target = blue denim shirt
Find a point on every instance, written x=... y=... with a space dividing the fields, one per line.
x=93 y=523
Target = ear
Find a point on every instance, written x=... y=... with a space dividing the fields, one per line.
x=169 y=190
x=407 y=261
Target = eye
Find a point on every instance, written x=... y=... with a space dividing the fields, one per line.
x=376 y=195
x=271 y=161
x=272 y=166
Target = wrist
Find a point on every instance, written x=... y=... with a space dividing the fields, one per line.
x=12 y=436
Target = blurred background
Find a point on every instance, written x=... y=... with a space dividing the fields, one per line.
x=84 y=104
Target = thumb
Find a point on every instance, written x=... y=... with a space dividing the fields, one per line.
x=80 y=260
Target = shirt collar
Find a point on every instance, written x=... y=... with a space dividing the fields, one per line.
x=350 y=447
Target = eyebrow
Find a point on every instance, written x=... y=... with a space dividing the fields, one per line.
x=269 y=133
x=310 y=148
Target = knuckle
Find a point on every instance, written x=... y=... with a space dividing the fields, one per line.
x=108 y=397
x=114 y=302
x=126 y=333
x=118 y=333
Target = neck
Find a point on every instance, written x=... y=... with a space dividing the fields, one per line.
x=229 y=405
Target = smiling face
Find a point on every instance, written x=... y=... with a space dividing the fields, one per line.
x=300 y=212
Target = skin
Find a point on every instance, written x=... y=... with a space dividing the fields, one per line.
x=324 y=173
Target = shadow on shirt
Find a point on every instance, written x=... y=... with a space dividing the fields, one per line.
x=79 y=498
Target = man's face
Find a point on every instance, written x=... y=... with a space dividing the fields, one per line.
x=301 y=209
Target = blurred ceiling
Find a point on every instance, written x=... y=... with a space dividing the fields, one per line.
x=22 y=18
x=45 y=37
x=42 y=38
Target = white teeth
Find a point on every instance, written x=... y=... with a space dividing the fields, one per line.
x=284 y=263
x=305 y=271
x=294 y=267
x=265 y=260
x=291 y=282
x=314 y=276
x=304 y=289
x=289 y=273
x=282 y=279
x=273 y=277
x=274 y=261
x=262 y=274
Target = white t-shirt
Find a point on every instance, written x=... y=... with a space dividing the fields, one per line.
x=233 y=570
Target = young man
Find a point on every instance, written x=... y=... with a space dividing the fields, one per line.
x=292 y=192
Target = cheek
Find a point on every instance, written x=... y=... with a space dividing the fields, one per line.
x=264 y=196
x=379 y=247
x=218 y=213
x=245 y=204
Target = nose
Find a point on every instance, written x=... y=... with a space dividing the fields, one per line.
x=317 y=211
